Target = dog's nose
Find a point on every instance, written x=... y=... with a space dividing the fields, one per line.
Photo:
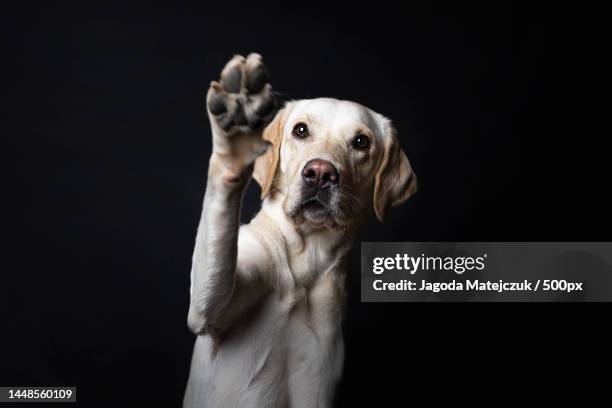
x=321 y=173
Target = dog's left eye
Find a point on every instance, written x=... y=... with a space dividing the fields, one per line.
x=361 y=142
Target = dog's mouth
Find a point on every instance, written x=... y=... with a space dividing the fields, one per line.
x=318 y=208
x=315 y=209
x=314 y=205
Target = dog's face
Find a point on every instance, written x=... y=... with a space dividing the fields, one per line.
x=329 y=159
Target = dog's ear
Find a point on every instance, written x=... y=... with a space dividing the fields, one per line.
x=395 y=181
x=267 y=163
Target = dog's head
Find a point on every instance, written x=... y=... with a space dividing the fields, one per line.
x=329 y=159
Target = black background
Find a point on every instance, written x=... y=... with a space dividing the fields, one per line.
x=502 y=110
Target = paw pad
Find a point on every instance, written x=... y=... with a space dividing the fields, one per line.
x=243 y=98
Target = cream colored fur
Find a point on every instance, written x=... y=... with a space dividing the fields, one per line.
x=267 y=298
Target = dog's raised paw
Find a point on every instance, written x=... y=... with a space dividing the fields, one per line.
x=243 y=100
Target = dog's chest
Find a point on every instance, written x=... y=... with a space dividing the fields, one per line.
x=311 y=265
x=315 y=348
x=290 y=347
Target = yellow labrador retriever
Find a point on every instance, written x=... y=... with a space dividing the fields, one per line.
x=267 y=298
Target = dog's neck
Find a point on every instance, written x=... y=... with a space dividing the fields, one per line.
x=324 y=251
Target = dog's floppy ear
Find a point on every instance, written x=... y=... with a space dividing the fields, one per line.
x=267 y=163
x=395 y=181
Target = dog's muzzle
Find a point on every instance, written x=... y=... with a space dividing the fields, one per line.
x=320 y=174
x=319 y=179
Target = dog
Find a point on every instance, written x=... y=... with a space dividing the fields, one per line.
x=268 y=298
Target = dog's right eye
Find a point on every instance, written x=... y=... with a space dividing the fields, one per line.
x=300 y=130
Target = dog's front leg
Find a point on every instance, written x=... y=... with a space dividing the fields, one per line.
x=238 y=106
